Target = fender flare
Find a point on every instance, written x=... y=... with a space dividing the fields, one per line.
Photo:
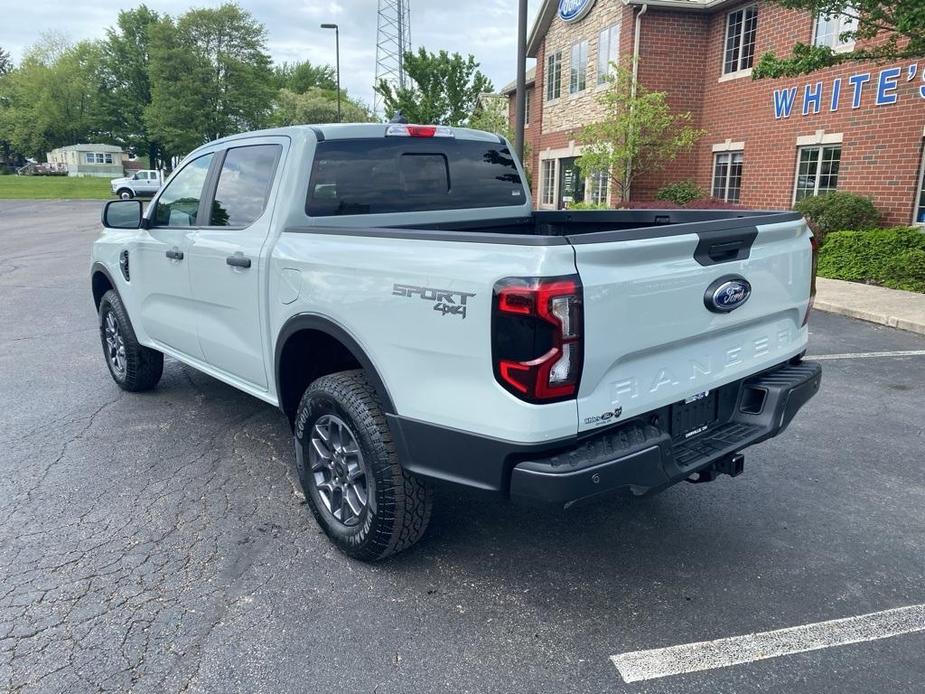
x=99 y=267
x=323 y=324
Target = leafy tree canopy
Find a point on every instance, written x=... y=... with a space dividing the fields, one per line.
x=898 y=26
x=638 y=134
x=316 y=105
x=442 y=88
x=6 y=62
x=300 y=77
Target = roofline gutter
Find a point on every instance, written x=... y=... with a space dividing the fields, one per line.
x=680 y=5
x=637 y=30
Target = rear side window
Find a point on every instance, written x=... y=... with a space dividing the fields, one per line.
x=380 y=175
x=244 y=185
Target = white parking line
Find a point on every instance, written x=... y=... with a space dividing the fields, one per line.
x=707 y=655
x=868 y=355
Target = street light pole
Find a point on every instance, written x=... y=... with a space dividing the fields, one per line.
x=521 y=93
x=337 y=51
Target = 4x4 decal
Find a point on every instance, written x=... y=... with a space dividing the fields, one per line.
x=446 y=301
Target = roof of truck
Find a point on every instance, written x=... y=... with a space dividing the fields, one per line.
x=343 y=131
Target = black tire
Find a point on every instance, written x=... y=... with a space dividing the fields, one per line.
x=398 y=503
x=141 y=367
x=125 y=194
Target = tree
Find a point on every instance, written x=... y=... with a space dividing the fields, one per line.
x=126 y=86
x=210 y=77
x=300 y=77
x=638 y=134
x=316 y=105
x=898 y=24
x=6 y=63
x=52 y=98
x=443 y=88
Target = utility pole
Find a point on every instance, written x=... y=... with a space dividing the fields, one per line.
x=337 y=50
x=521 y=98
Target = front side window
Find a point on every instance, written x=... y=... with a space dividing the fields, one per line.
x=600 y=184
x=817 y=171
x=549 y=181
x=554 y=76
x=727 y=176
x=608 y=48
x=244 y=185
x=411 y=174
x=827 y=30
x=178 y=205
x=578 y=70
x=741 y=27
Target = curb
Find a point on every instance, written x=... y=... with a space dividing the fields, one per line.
x=903 y=310
x=882 y=319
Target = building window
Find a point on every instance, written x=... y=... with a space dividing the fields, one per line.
x=827 y=30
x=98 y=158
x=549 y=182
x=741 y=27
x=578 y=68
x=920 y=198
x=817 y=171
x=727 y=176
x=608 y=49
x=600 y=186
x=554 y=76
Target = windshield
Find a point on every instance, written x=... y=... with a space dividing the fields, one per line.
x=407 y=174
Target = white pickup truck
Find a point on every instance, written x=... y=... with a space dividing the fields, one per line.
x=391 y=289
x=143 y=183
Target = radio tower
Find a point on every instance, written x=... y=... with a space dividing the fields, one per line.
x=393 y=40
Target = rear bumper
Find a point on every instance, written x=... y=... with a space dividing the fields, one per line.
x=638 y=456
x=642 y=457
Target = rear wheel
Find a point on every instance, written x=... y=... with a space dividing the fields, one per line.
x=133 y=367
x=355 y=487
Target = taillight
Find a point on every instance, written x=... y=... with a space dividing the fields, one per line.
x=812 y=281
x=537 y=337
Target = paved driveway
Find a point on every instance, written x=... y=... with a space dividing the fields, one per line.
x=159 y=543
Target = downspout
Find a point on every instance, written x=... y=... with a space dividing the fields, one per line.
x=635 y=79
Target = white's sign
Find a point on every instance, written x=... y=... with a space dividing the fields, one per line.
x=814 y=97
x=574 y=10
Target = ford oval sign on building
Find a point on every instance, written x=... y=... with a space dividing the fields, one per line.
x=574 y=10
x=727 y=294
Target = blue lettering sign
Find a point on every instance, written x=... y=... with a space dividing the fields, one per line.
x=783 y=102
x=857 y=81
x=574 y=10
x=836 y=93
x=813 y=97
x=910 y=72
x=886 y=85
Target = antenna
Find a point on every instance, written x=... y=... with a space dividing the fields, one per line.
x=393 y=40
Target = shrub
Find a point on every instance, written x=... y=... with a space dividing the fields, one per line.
x=838 y=211
x=713 y=204
x=680 y=193
x=579 y=206
x=892 y=257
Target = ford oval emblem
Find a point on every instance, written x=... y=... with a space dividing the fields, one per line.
x=727 y=294
x=574 y=10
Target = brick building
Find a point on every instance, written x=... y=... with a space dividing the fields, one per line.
x=858 y=127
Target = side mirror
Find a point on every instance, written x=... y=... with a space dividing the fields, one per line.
x=122 y=214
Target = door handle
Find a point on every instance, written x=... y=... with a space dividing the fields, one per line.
x=174 y=254
x=238 y=260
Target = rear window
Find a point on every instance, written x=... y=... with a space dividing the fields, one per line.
x=402 y=174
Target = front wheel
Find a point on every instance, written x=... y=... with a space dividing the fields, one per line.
x=125 y=194
x=354 y=485
x=133 y=367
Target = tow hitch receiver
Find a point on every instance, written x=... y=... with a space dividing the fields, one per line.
x=732 y=465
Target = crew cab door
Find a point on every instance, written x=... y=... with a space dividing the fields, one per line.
x=160 y=266
x=226 y=274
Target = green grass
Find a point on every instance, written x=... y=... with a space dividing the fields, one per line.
x=53 y=188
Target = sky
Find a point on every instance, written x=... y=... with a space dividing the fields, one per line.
x=487 y=29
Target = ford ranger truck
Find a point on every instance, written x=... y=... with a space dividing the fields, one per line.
x=391 y=289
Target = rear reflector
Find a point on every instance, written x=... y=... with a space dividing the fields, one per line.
x=401 y=130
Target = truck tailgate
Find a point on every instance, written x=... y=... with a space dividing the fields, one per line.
x=652 y=337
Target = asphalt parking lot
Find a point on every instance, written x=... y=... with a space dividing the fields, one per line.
x=158 y=542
